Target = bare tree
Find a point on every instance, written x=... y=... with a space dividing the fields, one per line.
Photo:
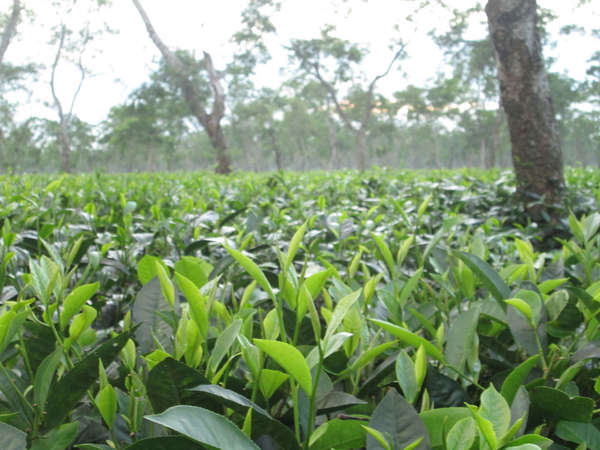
x=525 y=93
x=10 y=29
x=360 y=131
x=65 y=117
x=310 y=55
x=210 y=121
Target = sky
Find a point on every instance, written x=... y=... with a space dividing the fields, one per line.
x=120 y=61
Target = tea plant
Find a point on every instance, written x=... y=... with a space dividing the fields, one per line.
x=384 y=310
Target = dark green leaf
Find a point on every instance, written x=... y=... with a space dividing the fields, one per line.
x=12 y=438
x=168 y=382
x=210 y=395
x=69 y=390
x=165 y=443
x=558 y=405
x=44 y=377
x=498 y=288
x=335 y=401
x=11 y=385
x=204 y=426
x=39 y=342
x=462 y=340
x=579 y=433
x=339 y=434
x=440 y=419
x=443 y=391
x=148 y=309
x=224 y=342
x=57 y=439
x=517 y=377
x=523 y=333
x=399 y=423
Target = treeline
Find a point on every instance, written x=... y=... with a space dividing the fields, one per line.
x=323 y=116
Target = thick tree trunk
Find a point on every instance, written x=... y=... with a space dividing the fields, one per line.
x=525 y=93
x=211 y=122
x=217 y=138
x=10 y=28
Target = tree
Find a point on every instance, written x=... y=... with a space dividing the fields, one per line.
x=260 y=118
x=72 y=40
x=473 y=63
x=525 y=93
x=316 y=55
x=65 y=116
x=145 y=131
x=184 y=72
x=10 y=28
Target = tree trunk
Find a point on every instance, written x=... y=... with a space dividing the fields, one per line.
x=276 y=149
x=211 y=122
x=361 y=148
x=333 y=143
x=65 y=149
x=490 y=160
x=10 y=29
x=525 y=93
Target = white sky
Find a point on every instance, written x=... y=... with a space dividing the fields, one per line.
x=121 y=62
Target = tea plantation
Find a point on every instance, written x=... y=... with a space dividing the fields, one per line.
x=345 y=310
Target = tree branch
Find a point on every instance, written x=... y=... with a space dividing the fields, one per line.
x=81 y=79
x=57 y=102
x=169 y=56
x=219 y=102
x=11 y=28
x=370 y=104
x=330 y=89
x=190 y=94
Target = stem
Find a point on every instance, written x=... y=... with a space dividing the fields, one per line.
x=465 y=376
x=25 y=356
x=311 y=409
x=113 y=436
x=279 y=309
x=17 y=390
x=541 y=353
x=255 y=387
x=297 y=330
x=296 y=412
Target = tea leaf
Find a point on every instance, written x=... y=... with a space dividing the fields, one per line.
x=252 y=269
x=75 y=300
x=204 y=426
x=396 y=419
x=69 y=390
x=491 y=279
x=410 y=338
x=517 y=377
x=290 y=359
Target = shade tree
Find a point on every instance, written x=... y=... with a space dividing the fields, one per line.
x=144 y=132
x=526 y=98
x=72 y=42
x=186 y=72
x=334 y=63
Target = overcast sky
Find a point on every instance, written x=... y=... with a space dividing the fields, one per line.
x=120 y=62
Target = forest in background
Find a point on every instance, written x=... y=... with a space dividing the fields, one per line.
x=316 y=118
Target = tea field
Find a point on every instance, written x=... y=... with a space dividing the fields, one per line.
x=382 y=310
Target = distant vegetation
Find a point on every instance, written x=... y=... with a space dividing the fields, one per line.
x=324 y=112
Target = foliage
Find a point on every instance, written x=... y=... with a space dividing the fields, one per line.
x=323 y=310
